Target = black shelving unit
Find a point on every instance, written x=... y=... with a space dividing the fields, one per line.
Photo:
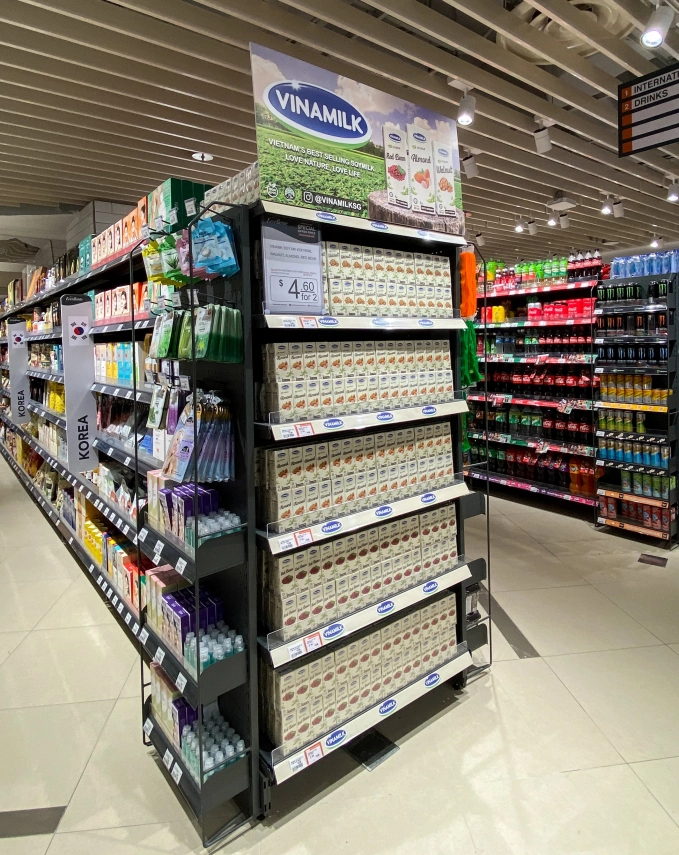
x=637 y=362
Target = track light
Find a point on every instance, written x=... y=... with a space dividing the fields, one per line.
x=564 y=221
x=552 y=220
x=657 y=27
x=466 y=110
x=607 y=206
x=656 y=242
x=618 y=209
x=532 y=227
x=543 y=143
x=673 y=192
x=480 y=240
x=519 y=226
x=471 y=170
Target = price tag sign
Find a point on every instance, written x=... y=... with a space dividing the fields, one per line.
x=176 y=774
x=142 y=534
x=159 y=656
x=181 y=681
x=148 y=727
x=144 y=635
x=172 y=216
x=158 y=224
x=168 y=759
x=293 y=280
x=314 y=753
x=313 y=642
x=180 y=566
x=297 y=764
x=295 y=650
x=305 y=429
x=287 y=542
x=128 y=618
x=304 y=537
x=288 y=433
x=190 y=207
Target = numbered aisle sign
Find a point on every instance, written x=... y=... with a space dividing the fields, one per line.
x=293 y=274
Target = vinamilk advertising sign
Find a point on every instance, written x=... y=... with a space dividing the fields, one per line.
x=327 y=142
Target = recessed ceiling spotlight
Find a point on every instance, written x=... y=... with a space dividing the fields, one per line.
x=658 y=26
x=202 y=156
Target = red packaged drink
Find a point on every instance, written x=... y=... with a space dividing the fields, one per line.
x=564 y=473
x=574 y=472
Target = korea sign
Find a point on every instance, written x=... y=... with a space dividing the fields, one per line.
x=648 y=111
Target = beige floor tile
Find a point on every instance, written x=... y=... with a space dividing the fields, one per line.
x=604 y=811
x=53 y=666
x=633 y=695
x=547 y=527
x=123 y=783
x=43 y=751
x=173 y=838
x=572 y=620
x=132 y=687
x=516 y=721
x=591 y=549
x=80 y=605
x=662 y=779
x=23 y=604
x=502 y=649
x=651 y=596
x=34 y=845
x=9 y=641
x=41 y=555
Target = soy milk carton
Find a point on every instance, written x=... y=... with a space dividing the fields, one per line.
x=396 y=166
x=422 y=179
x=444 y=172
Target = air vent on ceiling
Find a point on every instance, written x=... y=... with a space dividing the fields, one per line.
x=606 y=13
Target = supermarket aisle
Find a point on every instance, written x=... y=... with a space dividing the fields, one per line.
x=570 y=745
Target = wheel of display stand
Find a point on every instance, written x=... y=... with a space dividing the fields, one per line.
x=459 y=681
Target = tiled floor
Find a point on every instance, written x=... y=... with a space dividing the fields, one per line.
x=572 y=750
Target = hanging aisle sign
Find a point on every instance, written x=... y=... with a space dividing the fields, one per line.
x=17 y=355
x=648 y=111
x=334 y=145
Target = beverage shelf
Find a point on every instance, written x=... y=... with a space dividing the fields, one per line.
x=285 y=767
x=616 y=368
x=617 y=308
x=347 y=322
x=281 y=652
x=498 y=398
x=121 y=390
x=637 y=529
x=612 y=493
x=278 y=543
x=541 y=358
x=643 y=408
x=636 y=467
x=542 y=445
x=632 y=339
x=360 y=421
x=533 y=487
x=648 y=438
x=520 y=324
x=538 y=289
x=45 y=374
x=58 y=419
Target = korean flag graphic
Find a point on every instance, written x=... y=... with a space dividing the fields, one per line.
x=17 y=339
x=80 y=328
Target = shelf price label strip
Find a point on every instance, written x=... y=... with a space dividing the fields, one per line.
x=286 y=767
x=532 y=488
x=350 y=322
x=362 y=519
x=356 y=421
x=345 y=626
x=637 y=529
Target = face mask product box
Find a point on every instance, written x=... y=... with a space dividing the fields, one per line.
x=335 y=357
x=339 y=399
x=296 y=464
x=348 y=299
x=380 y=265
x=296 y=360
x=362 y=393
x=336 y=296
x=299 y=399
x=381 y=298
x=392 y=298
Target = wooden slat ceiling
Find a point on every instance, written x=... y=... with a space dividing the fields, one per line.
x=106 y=98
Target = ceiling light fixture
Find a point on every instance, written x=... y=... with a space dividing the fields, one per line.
x=673 y=192
x=564 y=221
x=618 y=209
x=657 y=27
x=656 y=242
x=202 y=156
x=480 y=240
x=532 y=227
x=466 y=110
x=519 y=225
x=552 y=221
x=471 y=170
x=607 y=206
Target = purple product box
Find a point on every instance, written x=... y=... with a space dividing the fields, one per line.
x=182 y=714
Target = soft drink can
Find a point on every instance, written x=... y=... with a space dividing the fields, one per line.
x=627 y=452
x=665 y=456
x=655 y=454
x=619 y=450
x=637 y=453
x=656 y=485
x=626 y=482
x=646 y=486
x=637 y=484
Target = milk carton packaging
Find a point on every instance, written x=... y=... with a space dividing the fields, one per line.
x=422 y=183
x=444 y=173
x=396 y=166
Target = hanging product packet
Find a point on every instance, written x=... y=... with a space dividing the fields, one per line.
x=157 y=406
x=166 y=329
x=152 y=261
x=204 y=321
x=184 y=347
x=181 y=449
